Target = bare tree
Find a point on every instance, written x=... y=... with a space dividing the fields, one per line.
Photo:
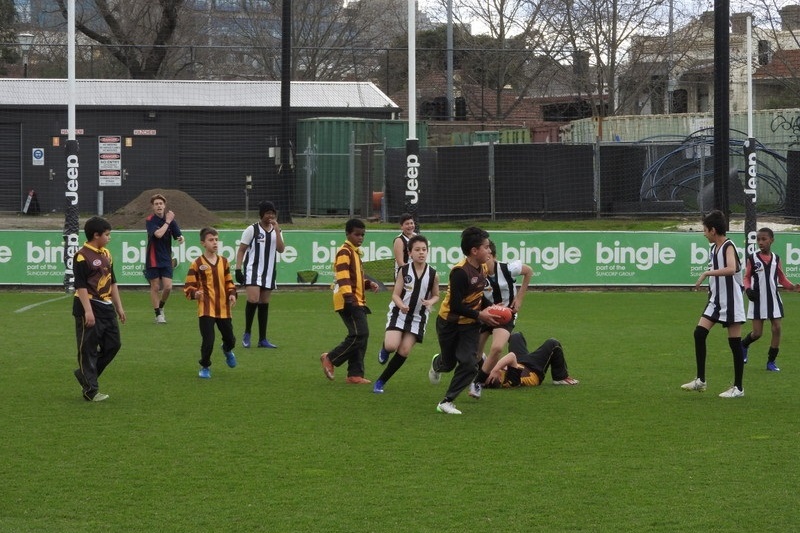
x=507 y=35
x=8 y=53
x=136 y=32
x=331 y=39
x=605 y=29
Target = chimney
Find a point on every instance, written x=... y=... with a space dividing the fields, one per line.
x=580 y=63
x=707 y=20
x=739 y=23
x=790 y=18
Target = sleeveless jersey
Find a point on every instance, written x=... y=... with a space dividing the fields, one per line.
x=764 y=279
x=405 y=239
x=725 y=293
x=415 y=289
x=259 y=263
x=501 y=287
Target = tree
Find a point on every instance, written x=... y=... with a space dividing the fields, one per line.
x=136 y=32
x=331 y=39
x=8 y=37
x=507 y=39
x=605 y=29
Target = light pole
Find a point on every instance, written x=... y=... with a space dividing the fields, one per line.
x=25 y=43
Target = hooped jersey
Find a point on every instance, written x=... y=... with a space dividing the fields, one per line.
x=215 y=280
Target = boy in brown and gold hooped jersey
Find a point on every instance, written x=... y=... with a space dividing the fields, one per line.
x=351 y=304
x=209 y=282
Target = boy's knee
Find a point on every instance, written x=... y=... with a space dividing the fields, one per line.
x=517 y=344
x=552 y=344
x=700 y=333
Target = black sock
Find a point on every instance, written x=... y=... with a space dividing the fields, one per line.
x=747 y=341
x=700 y=334
x=738 y=360
x=161 y=304
x=481 y=377
x=157 y=311
x=263 y=317
x=394 y=365
x=249 y=314
x=772 y=354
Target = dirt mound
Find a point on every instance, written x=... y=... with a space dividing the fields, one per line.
x=189 y=213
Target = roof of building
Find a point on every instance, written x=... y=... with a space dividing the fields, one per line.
x=782 y=64
x=178 y=93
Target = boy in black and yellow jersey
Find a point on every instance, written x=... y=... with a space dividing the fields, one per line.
x=209 y=282
x=520 y=368
x=460 y=315
x=351 y=304
x=95 y=307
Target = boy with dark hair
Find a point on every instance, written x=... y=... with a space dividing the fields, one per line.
x=256 y=269
x=351 y=304
x=416 y=291
x=725 y=303
x=519 y=368
x=162 y=228
x=95 y=307
x=460 y=315
x=761 y=279
x=400 y=244
x=209 y=282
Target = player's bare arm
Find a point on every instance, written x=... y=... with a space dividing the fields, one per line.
x=527 y=273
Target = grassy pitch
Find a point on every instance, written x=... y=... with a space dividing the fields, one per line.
x=273 y=446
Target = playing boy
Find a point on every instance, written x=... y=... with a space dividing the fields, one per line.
x=416 y=291
x=460 y=315
x=501 y=290
x=519 y=368
x=256 y=269
x=96 y=305
x=725 y=303
x=761 y=279
x=162 y=228
x=351 y=304
x=400 y=244
x=209 y=282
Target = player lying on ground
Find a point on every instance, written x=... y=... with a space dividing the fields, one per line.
x=520 y=368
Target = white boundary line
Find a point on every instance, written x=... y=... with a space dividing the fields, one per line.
x=29 y=307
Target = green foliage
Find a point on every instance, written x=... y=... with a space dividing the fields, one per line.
x=273 y=446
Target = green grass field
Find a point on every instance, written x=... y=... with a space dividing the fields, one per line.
x=273 y=446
